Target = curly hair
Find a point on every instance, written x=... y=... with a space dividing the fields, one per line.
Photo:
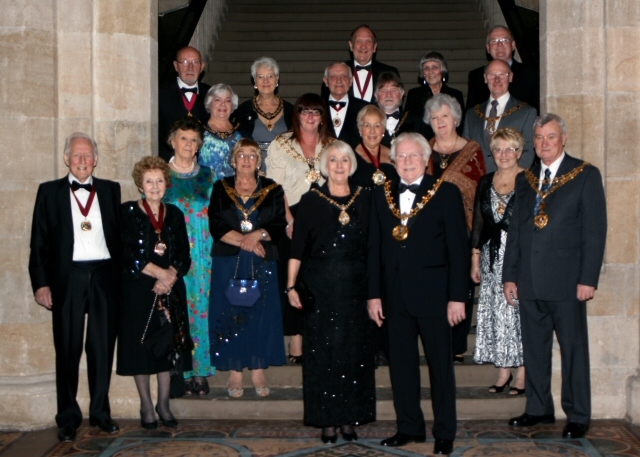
x=149 y=163
x=188 y=123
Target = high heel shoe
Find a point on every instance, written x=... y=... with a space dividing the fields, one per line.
x=498 y=389
x=167 y=422
x=329 y=438
x=148 y=425
x=348 y=436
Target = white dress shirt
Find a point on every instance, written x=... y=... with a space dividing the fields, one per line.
x=502 y=103
x=392 y=124
x=553 y=168
x=342 y=114
x=362 y=77
x=189 y=95
x=89 y=244
x=407 y=197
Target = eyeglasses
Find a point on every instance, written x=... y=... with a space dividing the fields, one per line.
x=505 y=151
x=497 y=75
x=411 y=155
x=503 y=41
x=243 y=156
x=310 y=112
x=186 y=63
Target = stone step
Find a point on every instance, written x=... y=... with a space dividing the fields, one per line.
x=307 y=76
x=345 y=8
x=455 y=57
x=473 y=403
x=349 y=21
x=444 y=4
x=313 y=33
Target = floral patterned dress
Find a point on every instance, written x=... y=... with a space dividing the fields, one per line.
x=191 y=193
x=216 y=152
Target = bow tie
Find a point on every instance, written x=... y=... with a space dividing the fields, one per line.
x=365 y=67
x=395 y=114
x=337 y=105
x=410 y=187
x=75 y=185
x=189 y=89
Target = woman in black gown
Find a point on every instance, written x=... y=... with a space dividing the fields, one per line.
x=329 y=254
x=149 y=271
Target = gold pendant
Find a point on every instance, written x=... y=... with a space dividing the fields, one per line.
x=444 y=164
x=501 y=208
x=312 y=176
x=85 y=226
x=246 y=226
x=400 y=232
x=344 y=217
x=379 y=177
x=541 y=220
x=337 y=122
x=269 y=126
x=160 y=248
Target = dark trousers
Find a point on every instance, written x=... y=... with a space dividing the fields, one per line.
x=404 y=361
x=91 y=291
x=569 y=319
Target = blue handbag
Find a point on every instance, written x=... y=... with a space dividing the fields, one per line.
x=243 y=292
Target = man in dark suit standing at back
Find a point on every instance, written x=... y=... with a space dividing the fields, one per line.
x=182 y=97
x=419 y=269
x=74 y=271
x=554 y=252
x=343 y=109
x=526 y=78
x=364 y=67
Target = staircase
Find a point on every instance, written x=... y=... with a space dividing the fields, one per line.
x=304 y=37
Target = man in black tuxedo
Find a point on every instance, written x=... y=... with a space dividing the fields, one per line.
x=389 y=93
x=526 y=78
x=182 y=97
x=73 y=267
x=419 y=268
x=365 y=69
x=554 y=252
x=343 y=109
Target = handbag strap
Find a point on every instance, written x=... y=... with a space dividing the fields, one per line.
x=235 y=275
x=146 y=327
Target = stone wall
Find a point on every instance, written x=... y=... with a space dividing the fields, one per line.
x=67 y=65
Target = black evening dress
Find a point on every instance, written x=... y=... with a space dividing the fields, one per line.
x=138 y=240
x=363 y=176
x=338 y=369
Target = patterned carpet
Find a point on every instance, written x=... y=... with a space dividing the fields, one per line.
x=195 y=438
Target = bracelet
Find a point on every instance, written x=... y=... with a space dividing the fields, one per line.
x=290 y=223
x=289 y=289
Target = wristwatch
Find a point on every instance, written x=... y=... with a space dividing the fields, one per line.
x=289 y=289
x=264 y=234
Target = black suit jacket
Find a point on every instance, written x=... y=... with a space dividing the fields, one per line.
x=171 y=108
x=223 y=218
x=52 y=237
x=349 y=133
x=549 y=263
x=410 y=123
x=376 y=68
x=431 y=267
x=525 y=85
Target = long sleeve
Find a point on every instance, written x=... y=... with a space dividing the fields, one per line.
x=512 y=250
x=40 y=251
x=478 y=220
x=594 y=227
x=217 y=223
x=134 y=254
x=180 y=251
x=374 y=247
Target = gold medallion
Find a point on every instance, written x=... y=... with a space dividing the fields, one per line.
x=85 y=226
x=344 y=217
x=160 y=248
x=312 y=176
x=246 y=226
x=443 y=164
x=337 y=122
x=501 y=208
x=541 y=220
x=379 y=177
x=400 y=232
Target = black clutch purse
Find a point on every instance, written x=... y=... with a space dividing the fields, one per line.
x=180 y=324
x=243 y=292
x=307 y=298
x=161 y=341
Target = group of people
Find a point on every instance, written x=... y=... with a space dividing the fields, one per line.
x=345 y=221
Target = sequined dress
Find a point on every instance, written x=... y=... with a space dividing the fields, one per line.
x=138 y=240
x=191 y=193
x=338 y=369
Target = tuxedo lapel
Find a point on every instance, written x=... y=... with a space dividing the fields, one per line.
x=64 y=204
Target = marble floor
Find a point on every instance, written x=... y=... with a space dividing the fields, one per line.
x=195 y=438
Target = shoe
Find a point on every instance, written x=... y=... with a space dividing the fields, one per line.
x=381 y=360
x=400 y=439
x=296 y=359
x=167 y=422
x=527 y=420
x=458 y=358
x=494 y=389
x=516 y=391
x=348 y=436
x=148 y=425
x=574 y=430
x=329 y=438
x=201 y=388
x=263 y=391
x=443 y=447
x=67 y=433
x=109 y=425
x=235 y=392
x=189 y=387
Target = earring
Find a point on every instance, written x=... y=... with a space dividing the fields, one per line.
x=277 y=84
x=255 y=87
x=443 y=79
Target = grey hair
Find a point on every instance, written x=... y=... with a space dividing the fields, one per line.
x=549 y=117
x=371 y=109
x=434 y=56
x=499 y=27
x=217 y=90
x=326 y=70
x=436 y=102
x=79 y=136
x=267 y=62
x=344 y=149
x=416 y=138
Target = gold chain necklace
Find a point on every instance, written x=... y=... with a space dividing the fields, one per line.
x=246 y=225
x=344 y=216
x=401 y=232
x=444 y=156
x=312 y=175
x=542 y=219
x=491 y=121
x=268 y=116
x=222 y=135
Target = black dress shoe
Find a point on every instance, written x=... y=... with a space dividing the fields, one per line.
x=444 y=447
x=574 y=430
x=167 y=422
x=109 y=425
x=348 y=435
x=527 y=420
x=400 y=439
x=67 y=433
x=329 y=438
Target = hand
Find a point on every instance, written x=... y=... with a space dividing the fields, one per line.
x=289 y=229
x=455 y=312
x=374 y=307
x=585 y=292
x=160 y=289
x=294 y=299
x=167 y=277
x=511 y=293
x=251 y=243
x=43 y=297
x=475 y=272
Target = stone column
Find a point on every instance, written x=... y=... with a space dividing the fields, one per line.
x=68 y=65
x=589 y=73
